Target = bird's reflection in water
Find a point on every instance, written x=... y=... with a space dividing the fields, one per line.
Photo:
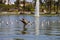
x=18 y=39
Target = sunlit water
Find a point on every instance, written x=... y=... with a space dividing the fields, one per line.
x=11 y=28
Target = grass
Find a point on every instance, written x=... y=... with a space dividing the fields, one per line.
x=16 y=13
x=49 y=14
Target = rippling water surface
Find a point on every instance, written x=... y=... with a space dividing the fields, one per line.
x=11 y=28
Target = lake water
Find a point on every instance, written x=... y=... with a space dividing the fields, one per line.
x=11 y=28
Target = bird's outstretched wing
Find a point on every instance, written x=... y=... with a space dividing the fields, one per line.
x=31 y=23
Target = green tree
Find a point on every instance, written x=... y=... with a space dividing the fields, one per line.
x=2 y=1
x=8 y=4
x=57 y=4
x=17 y=2
x=23 y=5
x=34 y=2
x=48 y=5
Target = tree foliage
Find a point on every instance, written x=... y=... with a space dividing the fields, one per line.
x=17 y=2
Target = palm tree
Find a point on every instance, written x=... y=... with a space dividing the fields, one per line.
x=45 y=3
x=59 y=4
x=8 y=3
x=17 y=2
x=50 y=6
x=0 y=1
x=48 y=3
x=54 y=4
x=23 y=5
x=41 y=5
x=34 y=2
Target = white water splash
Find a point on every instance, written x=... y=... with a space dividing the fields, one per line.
x=37 y=8
x=37 y=17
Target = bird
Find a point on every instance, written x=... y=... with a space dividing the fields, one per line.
x=25 y=21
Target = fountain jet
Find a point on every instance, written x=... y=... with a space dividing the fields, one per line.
x=37 y=17
x=37 y=8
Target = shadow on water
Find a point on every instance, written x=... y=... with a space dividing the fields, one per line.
x=11 y=28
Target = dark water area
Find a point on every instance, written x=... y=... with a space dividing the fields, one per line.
x=11 y=28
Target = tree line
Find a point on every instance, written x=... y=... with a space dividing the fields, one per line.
x=48 y=5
